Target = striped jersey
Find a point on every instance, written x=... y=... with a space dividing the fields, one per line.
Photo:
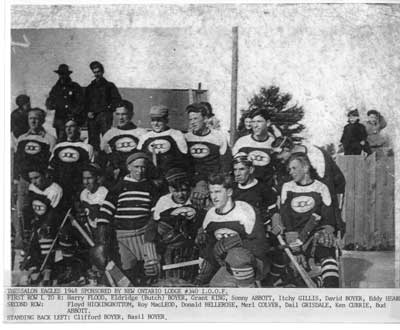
x=128 y=205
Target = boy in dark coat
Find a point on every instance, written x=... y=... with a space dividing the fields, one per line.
x=354 y=137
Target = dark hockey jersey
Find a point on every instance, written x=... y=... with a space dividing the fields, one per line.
x=67 y=160
x=169 y=147
x=259 y=152
x=120 y=142
x=32 y=149
x=258 y=195
x=299 y=202
x=128 y=205
x=209 y=153
x=243 y=220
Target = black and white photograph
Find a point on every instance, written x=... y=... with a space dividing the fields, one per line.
x=232 y=156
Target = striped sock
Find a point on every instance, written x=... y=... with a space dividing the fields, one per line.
x=330 y=273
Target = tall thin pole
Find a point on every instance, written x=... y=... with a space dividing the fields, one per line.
x=234 y=82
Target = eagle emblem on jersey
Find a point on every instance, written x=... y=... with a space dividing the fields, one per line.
x=125 y=144
x=224 y=232
x=302 y=204
x=68 y=155
x=259 y=158
x=160 y=146
x=32 y=148
x=39 y=207
x=199 y=150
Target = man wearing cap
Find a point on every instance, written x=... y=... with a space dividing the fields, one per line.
x=374 y=125
x=177 y=223
x=101 y=97
x=127 y=209
x=68 y=159
x=258 y=146
x=167 y=146
x=32 y=148
x=121 y=141
x=66 y=98
x=19 y=117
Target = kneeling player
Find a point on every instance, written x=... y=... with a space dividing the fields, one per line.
x=177 y=223
x=309 y=219
x=233 y=237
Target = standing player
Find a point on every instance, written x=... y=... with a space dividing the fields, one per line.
x=166 y=145
x=121 y=141
x=127 y=209
x=258 y=146
x=68 y=159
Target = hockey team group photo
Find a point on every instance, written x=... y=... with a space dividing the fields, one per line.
x=116 y=185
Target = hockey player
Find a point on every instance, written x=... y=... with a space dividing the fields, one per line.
x=258 y=146
x=208 y=150
x=250 y=190
x=233 y=237
x=177 y=222
x=127 y=209
x=326 y=169
x=121 y=141
x=43 y=216
x=166 y=145
x=33 y=148
x=308 y=217
x=68 y=159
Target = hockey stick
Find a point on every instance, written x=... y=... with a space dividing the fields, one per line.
x=114 y=275
x=182 y=264
x=55 y=241
x=306 y=278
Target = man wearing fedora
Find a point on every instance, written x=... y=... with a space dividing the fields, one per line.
x=66 y=98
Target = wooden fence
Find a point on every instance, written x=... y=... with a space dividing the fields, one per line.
x=369 y=201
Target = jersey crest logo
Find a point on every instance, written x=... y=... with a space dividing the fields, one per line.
x=199 y=150
x=159 y=146
x=32 y=148
x=302 y=204
x=69 y=155
x=125 y=144
x=259 y=158
x=39 y=207
x=224 y=232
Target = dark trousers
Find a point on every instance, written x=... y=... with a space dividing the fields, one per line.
x=59 y=125
x=100 y=124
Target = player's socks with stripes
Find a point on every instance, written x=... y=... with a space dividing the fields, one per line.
x=330 y=273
